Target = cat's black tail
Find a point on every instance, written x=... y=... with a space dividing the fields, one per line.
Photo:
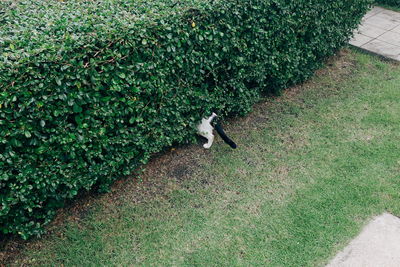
x=224 y=137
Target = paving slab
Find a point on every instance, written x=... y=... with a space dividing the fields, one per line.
x=378 y=245
x=370 y=30
x=383 y=22
x=390 y=37
x=373 y=12
x=397 y=29
x=379 y=33
x=360 y=39
x=382 y=48
x=389 y=14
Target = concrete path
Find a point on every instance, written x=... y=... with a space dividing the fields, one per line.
x=379 y=33
x=378 y=245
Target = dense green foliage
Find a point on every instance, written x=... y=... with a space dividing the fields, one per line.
x=394 y=3
x=89 y=90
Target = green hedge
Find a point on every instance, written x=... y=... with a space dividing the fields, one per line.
x=393 y=3
x=89 y=90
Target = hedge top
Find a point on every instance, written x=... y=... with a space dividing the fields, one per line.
x=32 y=28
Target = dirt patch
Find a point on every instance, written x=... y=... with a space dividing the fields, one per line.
x=173 y=166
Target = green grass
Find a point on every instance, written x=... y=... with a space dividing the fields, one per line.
x=394 y=8
x=312 y=167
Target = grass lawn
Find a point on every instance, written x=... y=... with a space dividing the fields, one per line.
x=394 y=8
x=311 y=168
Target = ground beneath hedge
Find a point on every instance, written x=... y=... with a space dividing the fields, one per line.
x=311 y=168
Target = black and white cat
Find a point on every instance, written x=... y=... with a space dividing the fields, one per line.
x=205 y=129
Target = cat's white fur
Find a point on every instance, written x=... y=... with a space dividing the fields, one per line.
x=205 y=129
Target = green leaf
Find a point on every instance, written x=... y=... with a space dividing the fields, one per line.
x=15 y=142
x=76 y=108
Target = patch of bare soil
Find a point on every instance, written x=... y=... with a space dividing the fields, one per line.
x=175 y=165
